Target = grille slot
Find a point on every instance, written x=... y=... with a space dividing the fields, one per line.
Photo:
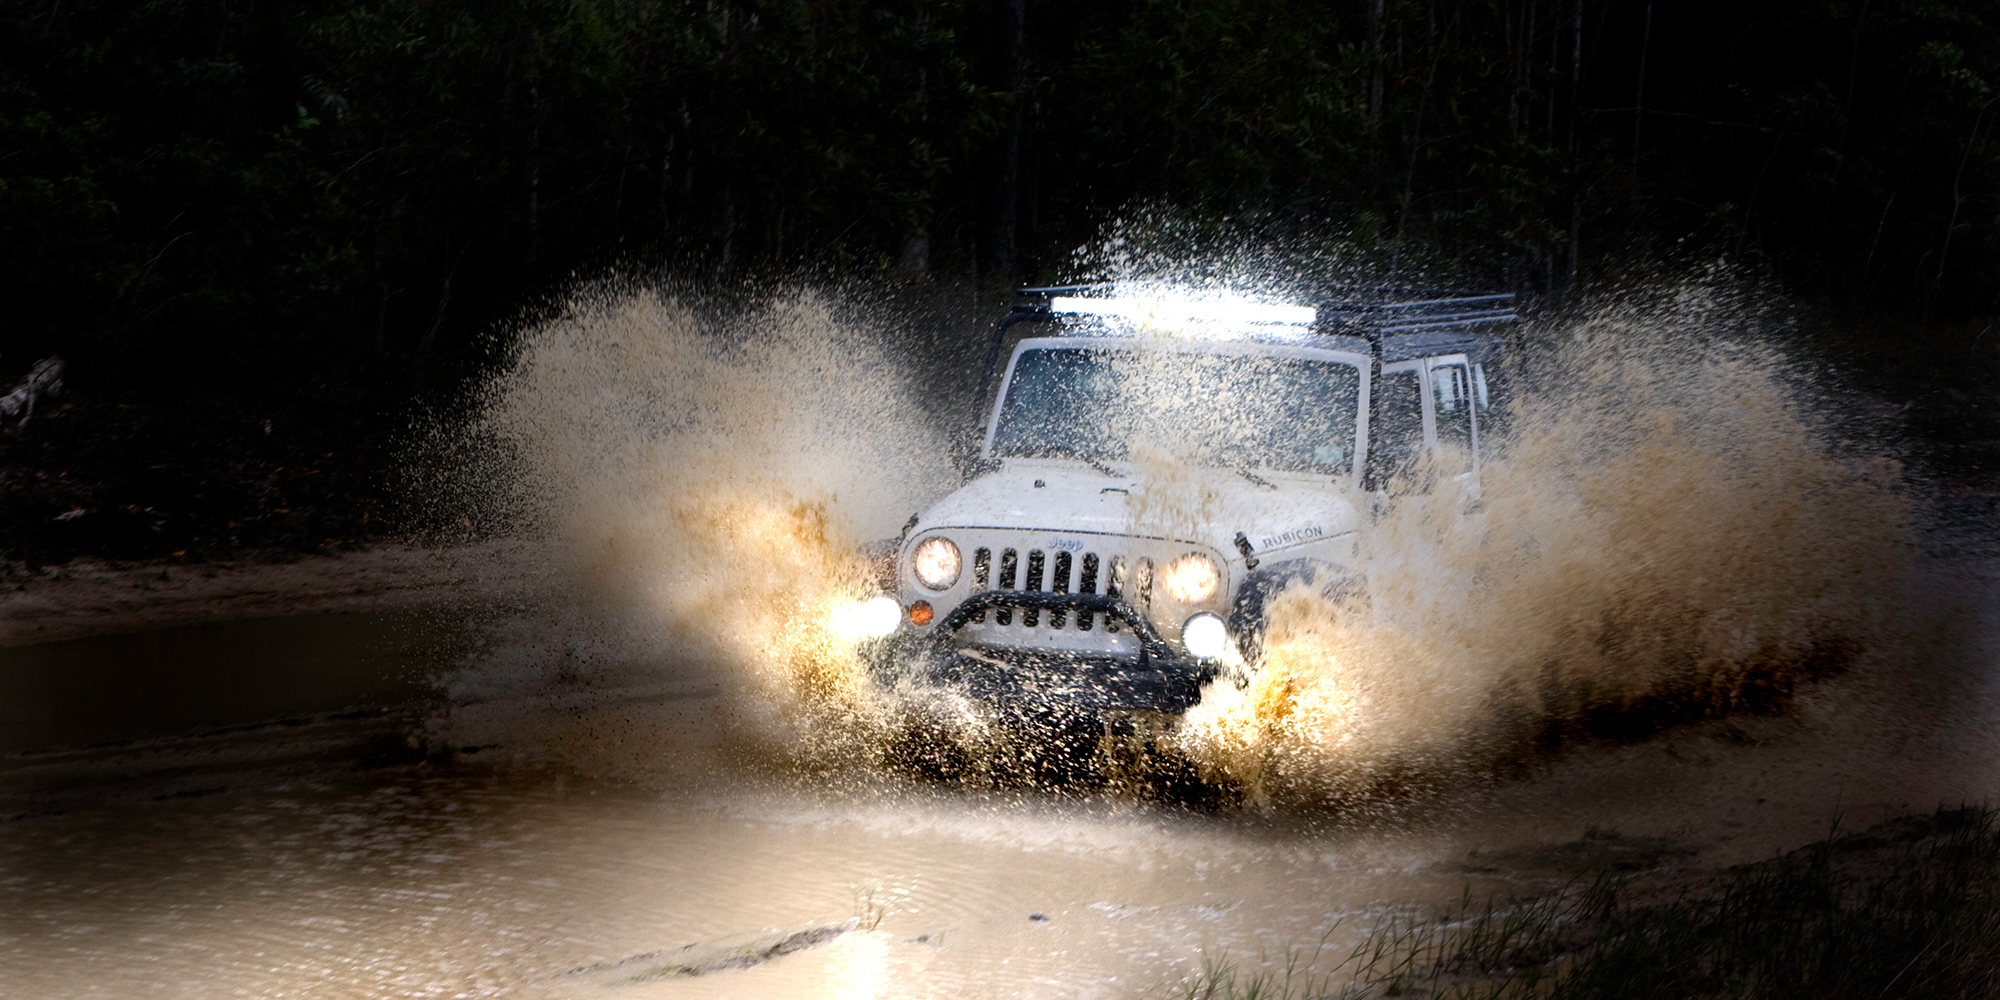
x=1010 y=563
x=1059 y=584
x=1032 y=616
x=982 y=565
x=1115 y=589
x=1086 y=583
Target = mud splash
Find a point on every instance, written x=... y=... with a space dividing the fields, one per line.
x=1667 y=533
x=708 y=473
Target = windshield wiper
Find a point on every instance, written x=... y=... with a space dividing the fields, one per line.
x=1098 y=464
x=1074 y=455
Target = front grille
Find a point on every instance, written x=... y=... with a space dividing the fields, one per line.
x=1052 y=565
x=1066 y=573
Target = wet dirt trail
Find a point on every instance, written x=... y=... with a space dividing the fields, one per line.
x=326 y=838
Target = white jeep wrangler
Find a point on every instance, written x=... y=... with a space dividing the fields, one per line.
x=1052 y=579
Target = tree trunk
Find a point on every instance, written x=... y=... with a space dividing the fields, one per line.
x=1639 y=98
x=1575 y=169
x=1375 y=71
x=998 y=253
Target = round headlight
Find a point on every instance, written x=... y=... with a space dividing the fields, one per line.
x=936 y=563
x=1204 y=635
x=1192 y=577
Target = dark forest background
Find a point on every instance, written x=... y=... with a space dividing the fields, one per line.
x=264 y=235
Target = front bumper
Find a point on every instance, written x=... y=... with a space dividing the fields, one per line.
x=1156 y=679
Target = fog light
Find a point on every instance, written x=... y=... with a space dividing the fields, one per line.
x=921 y=613
x=870 y=619
x=1204 y=635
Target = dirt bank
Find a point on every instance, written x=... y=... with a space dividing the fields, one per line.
x=88 y=597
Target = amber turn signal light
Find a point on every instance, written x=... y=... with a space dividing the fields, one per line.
x=921 y=613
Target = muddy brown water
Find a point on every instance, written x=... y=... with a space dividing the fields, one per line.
x=265 y=808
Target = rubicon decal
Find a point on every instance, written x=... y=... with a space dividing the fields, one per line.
x=1292 y=537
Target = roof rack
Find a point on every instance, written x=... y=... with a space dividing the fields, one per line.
x=1382 y=314
x=1371 y=312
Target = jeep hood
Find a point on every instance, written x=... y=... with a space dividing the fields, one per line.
x=1038 y=496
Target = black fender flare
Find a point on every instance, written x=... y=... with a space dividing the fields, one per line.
x=1248 y=612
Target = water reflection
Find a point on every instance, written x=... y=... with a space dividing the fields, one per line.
x=466 y=881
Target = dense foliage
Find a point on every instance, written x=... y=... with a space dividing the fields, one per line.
x=315 y=213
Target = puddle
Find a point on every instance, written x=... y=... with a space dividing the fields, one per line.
x=81 y=692
x=464 y=880
x=217 y=810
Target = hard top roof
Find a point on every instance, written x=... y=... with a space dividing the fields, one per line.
x=1391 y=323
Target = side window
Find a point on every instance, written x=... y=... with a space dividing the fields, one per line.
x=1489 y=386
x=1395 y=426
x=1454 y=394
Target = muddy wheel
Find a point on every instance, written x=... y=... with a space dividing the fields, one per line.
x=1137 y=757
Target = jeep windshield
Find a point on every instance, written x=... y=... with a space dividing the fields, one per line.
x=1237 y=411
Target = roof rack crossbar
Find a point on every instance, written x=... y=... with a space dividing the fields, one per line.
x=1502 y=297
x=1445 y=323
x=1450 y=314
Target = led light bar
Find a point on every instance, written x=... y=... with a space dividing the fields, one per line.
x=1224 y=310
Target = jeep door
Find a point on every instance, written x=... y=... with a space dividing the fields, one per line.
x=1433 y=405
